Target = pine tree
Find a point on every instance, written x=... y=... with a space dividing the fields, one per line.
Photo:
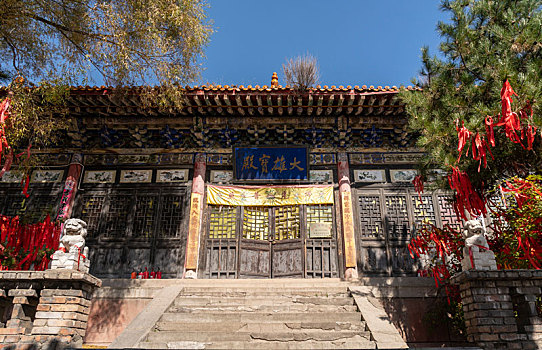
x=484 y=43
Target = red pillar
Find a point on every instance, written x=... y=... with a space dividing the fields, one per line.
x=345 y=195
x=70 y=188
x=194 y=226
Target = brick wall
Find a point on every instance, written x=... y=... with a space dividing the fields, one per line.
x=501 y=308
x=42 y=308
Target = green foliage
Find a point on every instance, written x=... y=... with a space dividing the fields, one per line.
x=127 y=41
x=48 y=46
x=38 y=113
x=517 y=228
x=484 y=43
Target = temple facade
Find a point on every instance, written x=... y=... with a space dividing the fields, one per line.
x=242 y=182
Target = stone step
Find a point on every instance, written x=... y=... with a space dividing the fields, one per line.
x=263 y=292
x=353 y=343
x=255 y=300
x=263 y=308
x=264 y=281
x=261 y=317
x=266 y=287
x=272 y=326
x=219 y=336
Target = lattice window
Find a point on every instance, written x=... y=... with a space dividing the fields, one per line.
x=424 y=210
x=15 y=205
x=319 y=214
x=370 y=217
x=447 y=213
x=287 y=223
x=117 y=215
x=144 y=216
x=397 y=216
x=222 y=220
x=39 y=206
x=256 y=223
x=90 y=212
x=495 y=204
x=171 y=215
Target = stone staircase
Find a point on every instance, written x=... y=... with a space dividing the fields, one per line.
x=261 y=314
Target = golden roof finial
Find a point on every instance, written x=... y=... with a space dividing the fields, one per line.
x=274 y=80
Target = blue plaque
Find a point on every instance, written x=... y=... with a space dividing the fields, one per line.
x=271 y=163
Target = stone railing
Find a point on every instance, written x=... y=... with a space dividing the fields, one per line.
x=502 y=308
x=45 y=307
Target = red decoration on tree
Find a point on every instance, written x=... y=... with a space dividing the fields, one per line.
x=506 y=99
x=4 y=115
x=489 y=131
x=418 y=185
x=464 y=135
x=467 y=200
x=25 y=247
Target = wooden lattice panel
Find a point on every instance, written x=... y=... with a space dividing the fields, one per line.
x=144 y=216
x=447 y=213
x=256 y=223
x=116 y=216
x=370 y=217
x=171 y=216
x=397 y=216
x=222 y=222
x=15 y=205
x=287 y=223
x=92 y=205
x=424 y=210
x=319 y=214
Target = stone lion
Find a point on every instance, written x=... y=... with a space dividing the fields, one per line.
x=72 y=253
x=476 y=253
x=473 y=232
x=73 y=236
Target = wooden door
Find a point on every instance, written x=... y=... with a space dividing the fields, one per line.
x=130 y=228
x=270 y=242
x=255 y=243
x=321 y=249
x=287 y=258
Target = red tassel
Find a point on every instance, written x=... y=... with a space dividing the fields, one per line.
x=418 y=185
x=7 y=164
x=489 y=131
x=506 y=100
x=464 y=135
x=4 y=110
x=26 y=183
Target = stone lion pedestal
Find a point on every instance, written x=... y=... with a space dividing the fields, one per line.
x=72 y=253
x=476 y=253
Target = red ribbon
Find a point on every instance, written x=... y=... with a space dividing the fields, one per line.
x=464 y=135
x=418 y=185
x=79 y=257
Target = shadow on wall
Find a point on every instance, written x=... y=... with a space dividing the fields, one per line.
x=113 y=307
x=426 y=321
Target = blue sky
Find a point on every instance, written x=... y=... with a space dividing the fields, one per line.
x=356 y=42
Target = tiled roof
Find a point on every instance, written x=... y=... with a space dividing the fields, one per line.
x=240 y=100
x=250 y=101
x=250 y=88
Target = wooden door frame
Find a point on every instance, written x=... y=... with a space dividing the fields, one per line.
x=204 y=272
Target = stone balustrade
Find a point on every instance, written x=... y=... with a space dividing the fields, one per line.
x=45 y=307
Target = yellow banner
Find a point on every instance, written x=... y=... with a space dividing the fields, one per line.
x=192 y=250
x=348 y=230
x=269 y=195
